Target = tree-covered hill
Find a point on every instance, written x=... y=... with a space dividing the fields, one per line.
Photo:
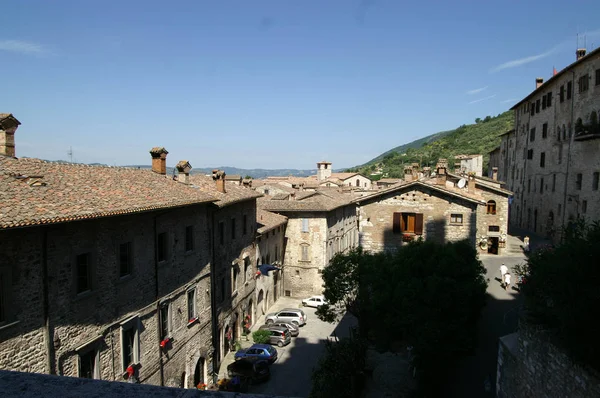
x=478 y=138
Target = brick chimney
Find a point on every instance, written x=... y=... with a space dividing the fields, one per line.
x=408 y=174
x=219 y=177
x=471 y=183
x=580 y=53
x=159 y=159
x=426 y=172
x=495 y=173
x=415 y=171
x=184 y=167
x=441 y=168
x=538 y=82
x=8 y=126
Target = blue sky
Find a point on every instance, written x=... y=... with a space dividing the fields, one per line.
x=270 y=84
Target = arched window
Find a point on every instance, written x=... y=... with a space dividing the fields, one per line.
x=304 y=252
x=357 y=182
x=491 y=207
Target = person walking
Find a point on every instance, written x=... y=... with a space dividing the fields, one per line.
x=526 y=244
x=506 y=281
x=503 y=271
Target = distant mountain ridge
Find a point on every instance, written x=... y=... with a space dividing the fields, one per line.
x=254 y=173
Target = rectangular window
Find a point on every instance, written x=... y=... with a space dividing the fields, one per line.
x=165 y=321
x=305 y=225
x=529 y=185
x=584 y=206
x=578 y=181
x=545 y=130
x=584 y=83
x=305 y=254
x=245 y=225
x=233 y=228
x=189 y=238
x=161 y=246
x=89 y=364
x=130 y=343
x=537 y=106
x=411 y=223
x=532 y=108
x=560 y=151
x=84 y=273
x=246 y=266
x=544 y=102
x=569 y=89
x=221 y=233
x=549 y=100
x=530 y=154
x=597 y=77
x=595 y=178
x=125 y=259
x=543 y=159
x=456 y=218
x=561 y=94
x=191 y=305
x=542 y=185
x=494 y=228
x=276 y=253
x=234 y=277
x=553 y=182
x=559 y=209
x=532 y=135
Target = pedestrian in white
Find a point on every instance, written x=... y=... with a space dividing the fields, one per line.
x=506 y=281
x=503 y=271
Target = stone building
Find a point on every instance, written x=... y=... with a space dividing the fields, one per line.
x=233 y=247
x=326 y=174
x=320 y=225
x=552 y=158
x=270 y=250
x=103 y=268
x=447 y=207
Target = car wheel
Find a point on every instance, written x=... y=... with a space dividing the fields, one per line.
x=295 y=323
x=303 y=304
x=269 y=321
x=280 y=343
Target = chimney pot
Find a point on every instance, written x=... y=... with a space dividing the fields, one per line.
x=580 y=53
x=8 y=126
x=184 y=167
x=159 y=159
x=495 y=173
x=471 y=183
x=538 y=82
x=219 y=177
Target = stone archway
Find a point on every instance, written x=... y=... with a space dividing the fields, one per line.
x=260 y=302
x=200 y=372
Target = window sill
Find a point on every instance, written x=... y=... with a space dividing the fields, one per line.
x=125 y=278
x=459 y=224
x=84 y=295
x=234 y=294
x=305 y=261
x=9 y=325
x=193 y=321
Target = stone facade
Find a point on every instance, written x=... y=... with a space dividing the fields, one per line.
x=270 y=250
x=531 y=365
x=550 y=164
x=86 y=330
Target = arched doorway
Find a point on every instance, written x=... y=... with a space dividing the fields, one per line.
x=259 y=301
x=266 y=303
x=251 y=311
x=199 y=372
x=227 y=336
x=183 y=383
x=235 y=333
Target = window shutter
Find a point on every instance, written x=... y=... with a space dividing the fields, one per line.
x=418 y=224
x=397 y=220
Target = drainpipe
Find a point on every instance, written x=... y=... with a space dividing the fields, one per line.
x=50 y=363
x=571 y=137
x=156 y=293
x=210 y=215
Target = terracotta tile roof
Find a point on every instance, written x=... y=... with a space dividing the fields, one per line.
x=276 y=185
x=281 y=196
x=388 y=180
x=316 y=202
x=234 y=193
x=343 y=176
x=34 y=192
x=267 y=221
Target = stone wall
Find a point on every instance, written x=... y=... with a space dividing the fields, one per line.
x=530 y=365
x=486 y=220
x=270 y=250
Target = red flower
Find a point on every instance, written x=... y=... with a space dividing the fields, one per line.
x=130 y=371
x=164 y=343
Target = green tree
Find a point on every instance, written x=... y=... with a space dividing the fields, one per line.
x=478 y=120
x=562 y=294
x=261 y=336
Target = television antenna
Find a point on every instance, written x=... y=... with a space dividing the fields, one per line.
x=70 y=154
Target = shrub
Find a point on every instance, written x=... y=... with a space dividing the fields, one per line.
x=261 y=336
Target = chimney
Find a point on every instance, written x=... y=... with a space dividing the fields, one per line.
x=580 y=53
x=8 y=126
x=184 y=167
x=159 y=159
x=219 y=177
x=415 y=171
x=495 y=173
x=457 y=167
x=471 y=183
x=441 y=167
x=426 y=172
x=408 y=174
x=538 y=82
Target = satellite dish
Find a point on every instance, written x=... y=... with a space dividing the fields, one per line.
x=462 y=182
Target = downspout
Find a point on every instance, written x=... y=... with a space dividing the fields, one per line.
x=216 y=362
x=571 y=137
x=156 y=293
x=50 y=363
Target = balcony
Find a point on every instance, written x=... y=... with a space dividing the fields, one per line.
x=585 y=135
x=589 y=131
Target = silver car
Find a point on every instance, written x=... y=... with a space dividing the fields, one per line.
x=293 y=329
x=294 y=316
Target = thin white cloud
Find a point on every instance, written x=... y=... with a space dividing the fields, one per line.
x=509 y=100
x=477 y=90
x=522 y=61
x=23 y=47
x=482 y=99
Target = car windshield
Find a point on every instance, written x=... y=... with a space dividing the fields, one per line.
x=271 y=350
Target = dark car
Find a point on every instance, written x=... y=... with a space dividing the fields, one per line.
x=293 y=329
x=256 y=370
x=257 y=351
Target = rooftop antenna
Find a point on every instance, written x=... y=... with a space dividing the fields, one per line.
x=70 y=154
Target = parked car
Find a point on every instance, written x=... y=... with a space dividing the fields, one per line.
x=295 y=316
x=279 y=335
x=256 y=370
x=314 y=301
x=258 y=351
x=293 y=329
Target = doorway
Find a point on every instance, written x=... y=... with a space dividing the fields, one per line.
x=199 y=372
x=493 y=243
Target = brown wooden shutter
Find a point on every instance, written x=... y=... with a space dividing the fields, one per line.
x=419 y=224
x=397 y=219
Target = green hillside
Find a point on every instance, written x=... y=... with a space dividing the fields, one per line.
x=478 y=138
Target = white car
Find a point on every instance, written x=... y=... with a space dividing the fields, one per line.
x=314 y=301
